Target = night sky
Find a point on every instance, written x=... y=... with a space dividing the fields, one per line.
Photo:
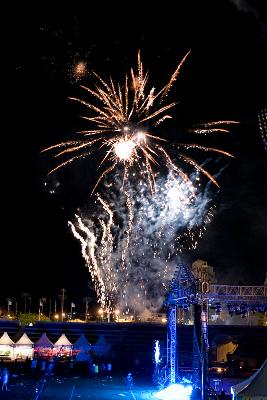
x=224 y=78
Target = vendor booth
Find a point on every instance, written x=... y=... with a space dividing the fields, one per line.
x=81 y=344
x=102 y=347
x=6 y=347
x=43 y=347
x=62 y=346
x=23 y=348
x=81 y=349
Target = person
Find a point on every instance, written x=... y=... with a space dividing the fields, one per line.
x=223 y=396
x=5 y=376
x=137 y=365
x=71 y=365
x=129 y=381
x=43 y=365
x=96 y=370
x=109 y=369
x=33 y=365
x=102 y=368
x=49 y=366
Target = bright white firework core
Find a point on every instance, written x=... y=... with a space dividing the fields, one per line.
x=175 y=392
x=124 y=149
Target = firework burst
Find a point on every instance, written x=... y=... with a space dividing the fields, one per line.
x=123 y=120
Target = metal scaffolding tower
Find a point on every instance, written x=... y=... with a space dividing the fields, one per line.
x=182 y=294
x=187 y=291
x=172 y=343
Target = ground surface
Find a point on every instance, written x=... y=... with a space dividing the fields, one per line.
x=76 y=387
x=21 y=387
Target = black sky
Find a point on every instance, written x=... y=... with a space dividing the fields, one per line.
x=224 y=78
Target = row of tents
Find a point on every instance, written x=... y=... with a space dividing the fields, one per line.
x=24 y=348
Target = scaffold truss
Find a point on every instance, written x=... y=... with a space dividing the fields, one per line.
x=186 y=291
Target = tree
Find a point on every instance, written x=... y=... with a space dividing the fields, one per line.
x=31 y=318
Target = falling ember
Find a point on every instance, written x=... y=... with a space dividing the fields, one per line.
x=117 y=117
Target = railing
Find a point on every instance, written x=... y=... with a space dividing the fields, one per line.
x=228 y=290
x=238 y=293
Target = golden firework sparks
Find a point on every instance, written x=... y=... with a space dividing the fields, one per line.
x=123 y=119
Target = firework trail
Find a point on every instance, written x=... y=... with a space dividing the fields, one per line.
x=123 y=119
x=131 y=250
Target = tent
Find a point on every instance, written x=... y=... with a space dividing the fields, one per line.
x=82 y=356
x=43 y=347
x=23 y=348
x=102 y=347
x=81 y=348
x=62 y=346
x=6 y=347
x=81 y=344
x=255 y=387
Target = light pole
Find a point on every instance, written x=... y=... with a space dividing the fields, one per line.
x=39 y=313
x=86 y=300
x=50 y=306
x=101 y=313
x=117 y=313
x=71 y=308
x=9 y=303
x=62 y=303
x=41 y=306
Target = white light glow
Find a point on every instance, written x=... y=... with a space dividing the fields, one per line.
x=175 y=392
x=157 y=352
x=124 y=149
x=140 y=137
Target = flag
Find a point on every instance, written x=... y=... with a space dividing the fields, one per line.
x=9 y=302
x=72 y=305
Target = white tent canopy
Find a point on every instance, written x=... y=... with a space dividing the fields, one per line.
x=255 y=387
x=62 y=341
x=6 y=340
x=6 y=346
x=23 y=347
x=24 y=340
x=62 y=346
